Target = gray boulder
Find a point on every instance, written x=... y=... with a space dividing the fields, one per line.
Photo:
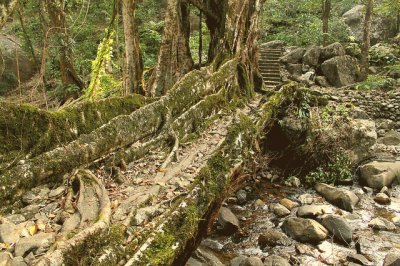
x=277 y=44
x=382 y=224
x=9 y=233
x=314 y=210
x=236 y=261
x=361 y=137
x=8 y=78
x=311 y=56
x=272 y=238
x=322 y=81
x=338 y=228
x=275 y=260
x=294 y=57
x=304 y=230
x=392 y=258
x=228 y=223
x=391 y=138
x=5 y=259
x=382 y=199
x=294 y=69
x=382 y=27
x=332 y=50
x=380 y=174
x=33 y=243
x=204 y=257
x=341 y=70
x=340 y=197
x=252 y=261
x=280 y=210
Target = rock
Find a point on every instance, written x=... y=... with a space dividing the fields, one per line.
x=236 y=261
x=381 y=224
x=294 y=57
x=273 y=44
x=382 y=27
x=33 y=243
x=332 y=50
x=294 y=69
x=313 y=211
x=29 y=211
x=288 y=203
x=227 y=221
x=392 y=258
x=385 y=190
x=307 y=199
x=272 y=238
x=362 y=136
x=252 y=261
x=279 y=210
x=259 y=204
x=8 y=78
x=304 y=230
x=338 y=228
x=205 y=257
x=378 y=174
x=391 y=138
x=340 y=197
x=359 y=259
x=341 y=70
x=19 y=261
x=16 y=218
x=275 y=260
x=241 y=196
x=9 y=233
x=57 y=192
x=311 y=56
x=322 y=81
x=5 y=259
x=382 y=198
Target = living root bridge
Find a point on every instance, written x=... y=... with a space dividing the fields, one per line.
x=119 y=133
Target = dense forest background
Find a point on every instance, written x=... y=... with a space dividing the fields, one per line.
x=91 y=40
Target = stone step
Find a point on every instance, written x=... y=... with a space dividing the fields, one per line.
x=269 y=75
x=265 y=56
x=271 y=83
x=272 y=79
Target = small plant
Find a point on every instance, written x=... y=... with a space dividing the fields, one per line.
x=339 y=169
x=375 y=82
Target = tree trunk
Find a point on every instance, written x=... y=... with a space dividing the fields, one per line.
x=6 y=10
x=133 y=66
x=174 y=59
x=200 y=38
x=325 y=20
x=366 y=40
x=56 y=13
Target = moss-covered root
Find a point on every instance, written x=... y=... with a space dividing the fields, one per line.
x=56 y=255
x=173 y=240
x=120 y=132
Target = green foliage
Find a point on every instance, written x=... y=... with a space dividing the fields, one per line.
x=339 y=169
x=383 y=56
x=376 y=82
x=150 y=39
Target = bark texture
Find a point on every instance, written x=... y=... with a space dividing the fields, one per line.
x=133 y=66
x=366 y=39
x=174 y=59
x=325 y=20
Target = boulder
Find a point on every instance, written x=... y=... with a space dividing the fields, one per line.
x=341 y=70
x=19 y=261
x=203 y=257
x=359 y=259
x=9 y=233
x=288 y=203
x=275 y=260
x=379 y=174
x=362 y=136
x=304 y=230
x=277 y=44
x=313 y=211
x=236 y=261
x=382 y=27
x=29 y=211
x=392 y=258
x=280 y=210
x=340 y=197
x=381 y=224
x=382 y=199
x=338 y=228
x=311 y=56
x=5 y=259
x=33 y=243
x=294 y=57
x=272 y=238
x=228 y=223
x=8 y=79
x=322 y=81
x=295 y=69
x=391 y=138
x=332 y=50
x=252 y=261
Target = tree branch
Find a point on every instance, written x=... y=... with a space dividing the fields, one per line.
x=203 y=7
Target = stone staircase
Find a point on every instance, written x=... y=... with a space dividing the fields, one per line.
x=269 y=66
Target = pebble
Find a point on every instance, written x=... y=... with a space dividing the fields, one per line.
x=280 y=210
x=288 y=203
x=382 y=199
x=381 y=224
